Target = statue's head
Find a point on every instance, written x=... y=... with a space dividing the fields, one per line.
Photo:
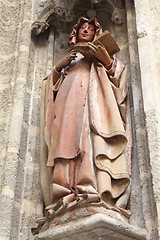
x=85 y=30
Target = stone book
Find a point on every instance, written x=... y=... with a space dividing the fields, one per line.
x=105 y=38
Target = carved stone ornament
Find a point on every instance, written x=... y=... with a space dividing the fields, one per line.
x=118 y=16
x=64 y=10
x=42 y=23
x=39 y=27
x=65 y=15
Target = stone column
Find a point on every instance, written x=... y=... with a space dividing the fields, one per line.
x=148 y=35
x=145 y=114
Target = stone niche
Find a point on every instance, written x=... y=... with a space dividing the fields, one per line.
x=53 y=23
x=60 y=16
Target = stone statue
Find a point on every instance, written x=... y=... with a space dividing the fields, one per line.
x=85 y=99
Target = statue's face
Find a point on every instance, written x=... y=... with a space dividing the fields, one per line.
x=86 y=32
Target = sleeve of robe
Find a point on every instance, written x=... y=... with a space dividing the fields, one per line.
x=118 y=76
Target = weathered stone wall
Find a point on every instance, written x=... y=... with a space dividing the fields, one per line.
x=23 y=64
x=20 y=86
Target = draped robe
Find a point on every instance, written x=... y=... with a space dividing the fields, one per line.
x=85 y=133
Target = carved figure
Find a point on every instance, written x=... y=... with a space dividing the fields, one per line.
x=85 y=127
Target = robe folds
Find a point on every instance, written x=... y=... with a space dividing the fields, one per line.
x=85 y=133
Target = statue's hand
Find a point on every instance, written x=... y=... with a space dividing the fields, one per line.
x=66 y=60
x=100 y=52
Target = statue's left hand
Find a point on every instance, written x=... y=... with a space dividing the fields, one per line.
x=100 y=52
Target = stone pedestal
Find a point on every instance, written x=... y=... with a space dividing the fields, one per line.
x=97 y=227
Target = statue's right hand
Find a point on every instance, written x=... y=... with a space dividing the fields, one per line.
x=66 y=60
